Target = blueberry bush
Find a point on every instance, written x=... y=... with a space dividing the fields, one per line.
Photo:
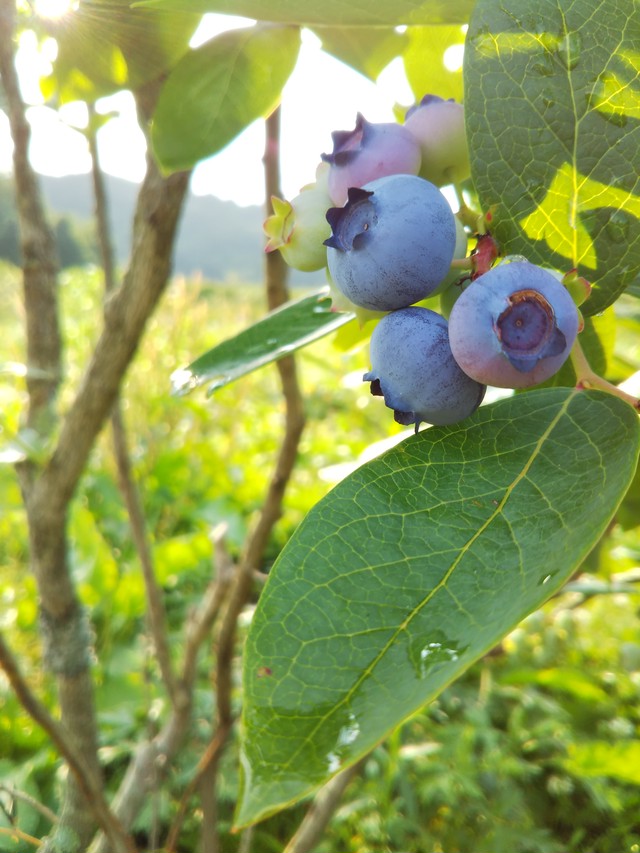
x=482 y=256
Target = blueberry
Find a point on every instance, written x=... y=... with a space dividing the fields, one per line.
x=413 y=369
x=370 y=151
x=514 y=326
x=438 y=126
x=392 y=243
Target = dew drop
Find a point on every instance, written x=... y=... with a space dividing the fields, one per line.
x=218 y=382
x=433 y=651
x=617 y=227
x=568 y=49
x=182 y=381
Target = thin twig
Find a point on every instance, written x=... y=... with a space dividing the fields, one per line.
x=156 y=612
x=89 y=785
x=22 y=796
x=19 y=835
x=321 y=811
x=208 y=760
x=587 y=378
x=154 y=759
x=277 y=294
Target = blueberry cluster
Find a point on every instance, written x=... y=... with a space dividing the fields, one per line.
x=377 y=219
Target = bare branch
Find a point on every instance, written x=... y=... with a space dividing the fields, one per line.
x=277 y=294
x=153 y=759
x=87 y=781
x=201 y=622
x=156 y=613
x=208 y=761
x=16 y=794
x=18 y=835
x=126 y=313
x=44 y=344
x=321 y=811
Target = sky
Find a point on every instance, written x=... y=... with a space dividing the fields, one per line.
x=310 y=112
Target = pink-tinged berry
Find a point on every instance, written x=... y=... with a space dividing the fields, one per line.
x=514 y=326
x=438 y=126
x=370 y=151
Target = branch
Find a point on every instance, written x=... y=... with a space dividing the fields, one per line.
x=209 y=760
x=156 y=613
x=277 y=294
x=587 y=378
x=321 y=811
x=16 y=794
x=90 y=786
x=154 y=759
x=126 y=313
x=18 y=835
x=40 y=265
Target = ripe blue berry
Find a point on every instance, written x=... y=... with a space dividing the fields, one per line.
x=392 y=243
x=369 y=152
x=413 y=369
x=514 y=326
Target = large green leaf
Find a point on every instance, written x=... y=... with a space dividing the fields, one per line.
x=415 y=566
x=280 y=333
x=366 y=49
x=424 y=61
x=331 y=13
x=104 y=46
x=552 y=109
x=218 y=89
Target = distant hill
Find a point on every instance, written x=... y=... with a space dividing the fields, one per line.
x=218 y=238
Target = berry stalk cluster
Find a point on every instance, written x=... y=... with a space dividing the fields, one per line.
x=377 y=219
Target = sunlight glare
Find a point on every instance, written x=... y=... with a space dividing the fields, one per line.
x=54 y=9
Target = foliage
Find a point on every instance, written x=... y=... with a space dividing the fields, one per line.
x=74 y=240
x=406 y=582
x=504 y=757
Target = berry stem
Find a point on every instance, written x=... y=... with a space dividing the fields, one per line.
x=587 y=378
x=462 y=264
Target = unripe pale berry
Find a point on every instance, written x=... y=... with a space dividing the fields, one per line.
x=438 y=125
x=298 y=228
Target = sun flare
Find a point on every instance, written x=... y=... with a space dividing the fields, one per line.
x=54 y=9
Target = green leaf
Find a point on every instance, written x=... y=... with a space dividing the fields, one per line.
x=217 y=90
x=366 y=49
x=552 y=110
x=332 y=13
x=619 y=761
x=598 y=341
x=411 y=569
x=280 y=333
x=424 y=61
x=141 y=45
